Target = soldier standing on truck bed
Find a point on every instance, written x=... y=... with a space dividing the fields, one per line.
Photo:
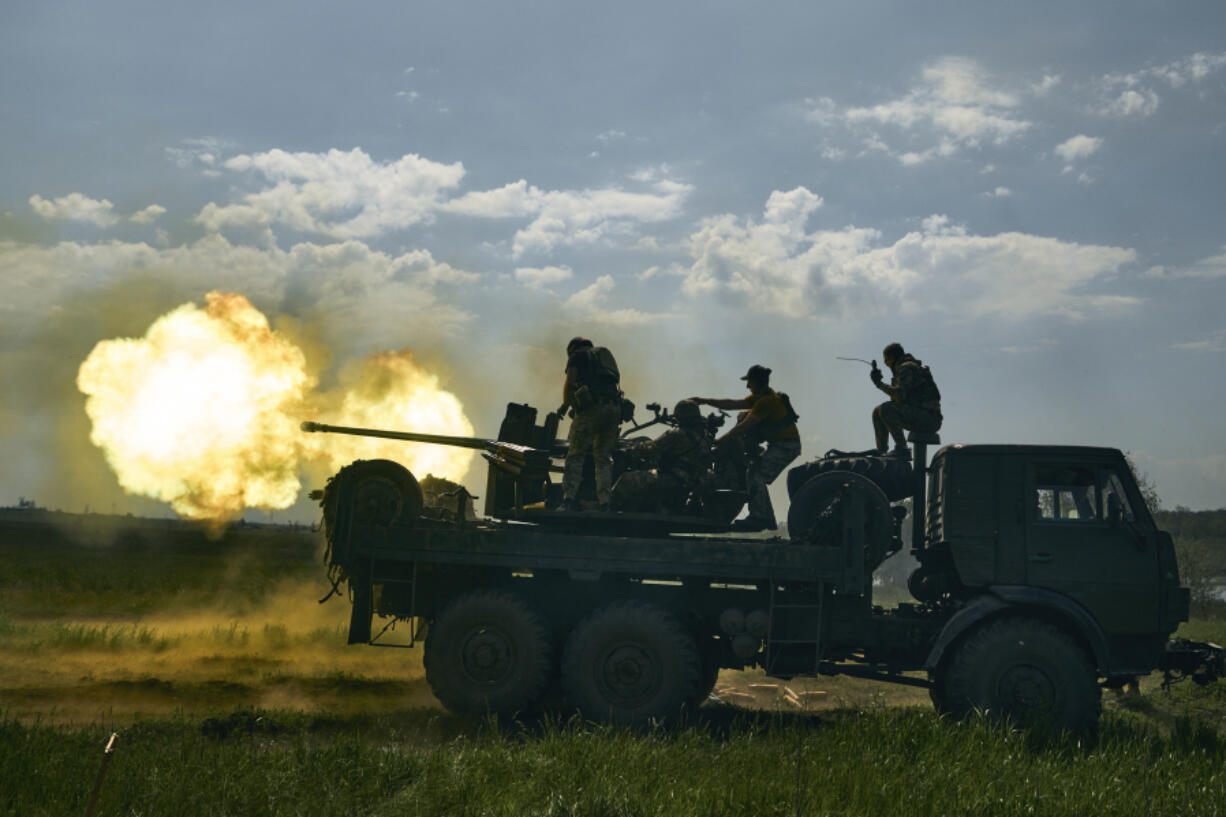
x=680 y=461
x=593 y=394
x=915 y=401
x=769 y=419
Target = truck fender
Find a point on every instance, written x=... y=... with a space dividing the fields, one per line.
x=1002 y=596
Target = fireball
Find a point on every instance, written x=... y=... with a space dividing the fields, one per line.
x=203 y=411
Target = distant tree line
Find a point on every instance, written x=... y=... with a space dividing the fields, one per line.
x=1200 y=546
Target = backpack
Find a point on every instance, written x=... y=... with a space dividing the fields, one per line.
x=604 y=366
x=926 y=389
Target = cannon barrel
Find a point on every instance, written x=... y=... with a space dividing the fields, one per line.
x=477 y=443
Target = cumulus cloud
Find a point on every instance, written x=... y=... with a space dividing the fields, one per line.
x=778 y=267
x=1045 y=85
x=538 y=277
x=517 y=199
x=148 y=215
x=1190 y=69
x=1078 y=147
x=347 y=195
x=568 y=218
x=1133 y=94
x=340 y=194
x=1132 y=102
x=75 y=207
x=1214 y=342
x=362 y=298
x=573 y=217
x=954 y=101
x=999 y=193
x=200 y=153
x=1212 y=267
x=591 y=304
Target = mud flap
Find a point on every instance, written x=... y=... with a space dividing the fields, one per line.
x=363 y=611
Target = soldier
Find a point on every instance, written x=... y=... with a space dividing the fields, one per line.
x=770 y=419
x=592 y=393
x=915 y=401
x=681 y=459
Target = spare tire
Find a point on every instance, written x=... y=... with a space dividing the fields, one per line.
x=815 y=514
x=892 y=476
x=381 y=493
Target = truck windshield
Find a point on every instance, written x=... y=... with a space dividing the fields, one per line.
x=1065 y=493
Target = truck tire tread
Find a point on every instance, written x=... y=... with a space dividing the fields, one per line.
x=630 y=663
x=1023 y=671
x=488 y=650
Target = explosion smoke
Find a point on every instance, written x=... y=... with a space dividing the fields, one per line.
x=203 y=411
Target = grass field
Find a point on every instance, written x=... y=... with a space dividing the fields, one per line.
x=233 y=692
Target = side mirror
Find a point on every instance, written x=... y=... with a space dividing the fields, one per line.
x=1114 y=512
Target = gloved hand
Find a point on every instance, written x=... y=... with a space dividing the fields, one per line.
x=561 y=412
x=875 y=375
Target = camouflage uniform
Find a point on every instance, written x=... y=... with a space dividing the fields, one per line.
x=683 y=460
x=596 y=403
x=592 y=431
x=762 y=472
x=915 y=404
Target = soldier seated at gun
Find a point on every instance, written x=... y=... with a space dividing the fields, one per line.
x=769 y=419
x=674 y=466
x=914 y=405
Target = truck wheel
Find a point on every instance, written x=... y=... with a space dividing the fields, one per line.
x=629 y=663
x=487 y=651
x=1023 y=671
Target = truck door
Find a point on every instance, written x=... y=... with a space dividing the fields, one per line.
x=1074 y=548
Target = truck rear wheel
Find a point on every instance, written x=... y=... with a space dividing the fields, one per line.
x=629 y=663
x=1025 y=672
x=487 y=651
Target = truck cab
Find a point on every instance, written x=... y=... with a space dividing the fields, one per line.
x=1061 y=525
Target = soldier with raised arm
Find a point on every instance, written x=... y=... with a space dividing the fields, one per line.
x=915 y=401
x=768 y=417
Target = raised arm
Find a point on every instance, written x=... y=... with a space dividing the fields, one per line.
x=724 y=403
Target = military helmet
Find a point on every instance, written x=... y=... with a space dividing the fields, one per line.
x=577 y=342
x=686 y=411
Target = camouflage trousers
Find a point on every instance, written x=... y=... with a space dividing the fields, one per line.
x=891 y=419
x=762 y=472
x=592 y=431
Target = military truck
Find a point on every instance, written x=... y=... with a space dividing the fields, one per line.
x=1042 y=578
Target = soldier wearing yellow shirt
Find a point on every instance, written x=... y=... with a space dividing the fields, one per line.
x=768 y=418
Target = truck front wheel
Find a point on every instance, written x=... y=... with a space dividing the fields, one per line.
x=487 y=651
x=1025 y=672
x=629 y=663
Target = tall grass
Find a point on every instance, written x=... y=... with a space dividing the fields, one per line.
x=905 y=762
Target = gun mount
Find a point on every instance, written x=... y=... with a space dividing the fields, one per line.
x=520 y=485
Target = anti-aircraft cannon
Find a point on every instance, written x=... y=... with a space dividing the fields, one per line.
x=523 y=461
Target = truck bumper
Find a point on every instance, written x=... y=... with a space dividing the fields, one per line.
x=1202 y=661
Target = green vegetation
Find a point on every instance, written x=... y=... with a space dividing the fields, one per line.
x=1200 y=544
x=877 y=762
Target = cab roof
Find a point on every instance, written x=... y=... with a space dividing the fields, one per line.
x=1079 y=451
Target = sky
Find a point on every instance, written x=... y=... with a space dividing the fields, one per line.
x=1029 y=197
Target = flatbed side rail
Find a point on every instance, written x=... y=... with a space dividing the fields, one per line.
x=743 y=560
